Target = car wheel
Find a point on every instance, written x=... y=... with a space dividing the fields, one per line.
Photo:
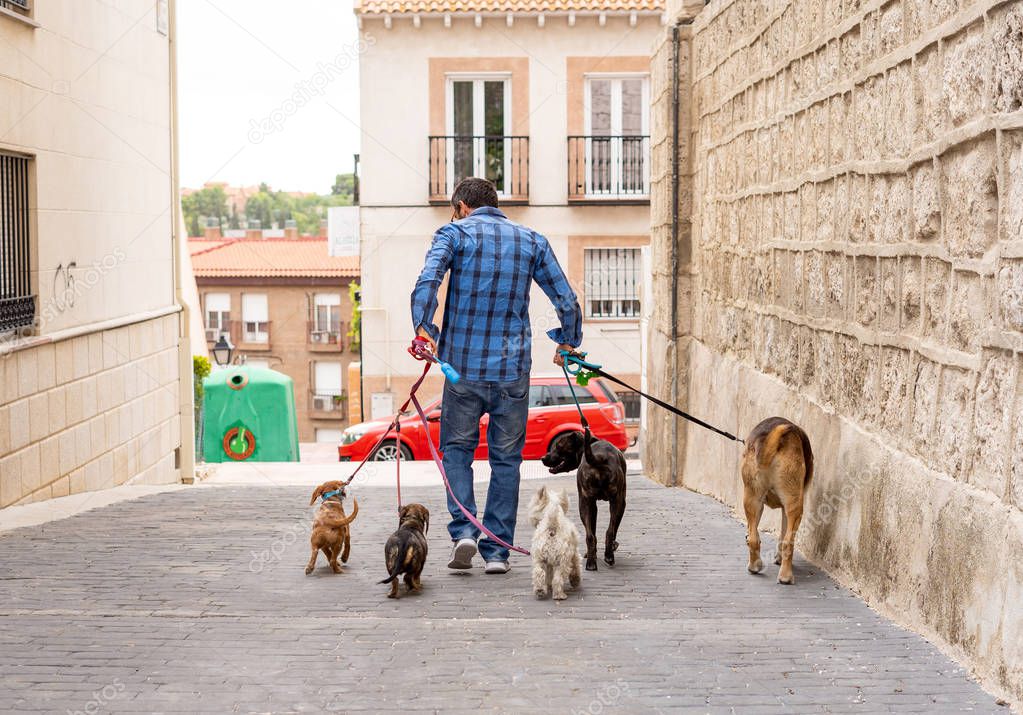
x=388 y=452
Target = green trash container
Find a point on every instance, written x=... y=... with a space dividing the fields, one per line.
x=249 y=416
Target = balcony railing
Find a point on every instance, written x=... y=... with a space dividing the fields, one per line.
x=329 y=405
x=609 y=168
x=15 y=5
x=502 y=159
x=327 y=338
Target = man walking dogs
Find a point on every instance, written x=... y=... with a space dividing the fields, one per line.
x=486 y=336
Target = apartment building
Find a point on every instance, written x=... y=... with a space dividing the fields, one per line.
x=547 y=99
x=284 y=304
x=92 y=336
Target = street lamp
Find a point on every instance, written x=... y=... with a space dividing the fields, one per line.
x=223 y=350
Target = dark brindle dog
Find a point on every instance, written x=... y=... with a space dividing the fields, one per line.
x=601 y=477
x=405 y=551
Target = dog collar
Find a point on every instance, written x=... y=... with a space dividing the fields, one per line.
x=334 y=493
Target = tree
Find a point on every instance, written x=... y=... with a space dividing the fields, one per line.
x=355 y=332
x=344 y=185
x=207 y=203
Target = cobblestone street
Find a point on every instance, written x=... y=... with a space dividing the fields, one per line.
x=195 y=600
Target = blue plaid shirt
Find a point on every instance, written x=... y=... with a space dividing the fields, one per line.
x=493 y=261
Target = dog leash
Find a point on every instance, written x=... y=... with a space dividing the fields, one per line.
x=584 y=370
x=582 y=418
x=420 y=350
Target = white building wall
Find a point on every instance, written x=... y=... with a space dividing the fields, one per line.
x=93 y=397
x=397 y=222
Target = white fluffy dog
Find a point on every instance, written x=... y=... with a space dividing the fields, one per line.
x=555 y=547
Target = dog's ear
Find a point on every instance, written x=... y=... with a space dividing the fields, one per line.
x=563 y=498
x=317 y=492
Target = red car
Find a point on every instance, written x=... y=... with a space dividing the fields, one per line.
x=551 y=413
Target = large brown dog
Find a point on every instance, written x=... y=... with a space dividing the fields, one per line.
x=405 y=551
x=330 y=527
x=777 y=467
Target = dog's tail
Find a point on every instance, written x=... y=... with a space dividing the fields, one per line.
x=355 y=512
x=774 y=441
x=399 y=563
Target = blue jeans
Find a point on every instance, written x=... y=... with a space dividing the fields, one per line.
x=462 y=406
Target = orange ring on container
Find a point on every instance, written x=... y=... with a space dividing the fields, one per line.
x=238 y=381
x=250 y=439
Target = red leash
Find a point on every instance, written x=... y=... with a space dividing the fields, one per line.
x=420 y=351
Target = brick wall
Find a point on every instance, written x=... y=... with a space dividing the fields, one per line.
x=857 y=264
x=90 y=412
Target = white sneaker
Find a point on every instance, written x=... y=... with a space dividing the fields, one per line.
x=497 y=567
x=461 y=555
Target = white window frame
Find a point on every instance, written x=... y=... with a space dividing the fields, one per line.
x=590 y=288
x=255 y=331
x=616 y=131
x=222 y=325
x=331 y=301
x=330 y=391
x=478 y=124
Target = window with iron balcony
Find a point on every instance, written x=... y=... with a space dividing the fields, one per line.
x=477 y=142
x=610 y=162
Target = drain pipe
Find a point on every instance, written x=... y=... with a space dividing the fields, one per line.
x=675 y=186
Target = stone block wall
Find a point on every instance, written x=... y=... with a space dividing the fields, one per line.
x=857 y=265
x=90 y=412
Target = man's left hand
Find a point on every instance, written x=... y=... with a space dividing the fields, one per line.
x=559 y=359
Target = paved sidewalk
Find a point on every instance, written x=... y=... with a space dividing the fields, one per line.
x=195 y=600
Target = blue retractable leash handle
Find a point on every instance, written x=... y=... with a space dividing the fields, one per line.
x=449 y=372
x=420 y=350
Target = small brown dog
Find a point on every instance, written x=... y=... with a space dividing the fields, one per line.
x=405 y=551
x=331 y=533
x=777 y=467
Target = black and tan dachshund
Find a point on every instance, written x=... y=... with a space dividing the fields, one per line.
x=405 y=551
x=600 y=477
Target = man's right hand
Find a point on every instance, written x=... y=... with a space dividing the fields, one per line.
x=421 y=332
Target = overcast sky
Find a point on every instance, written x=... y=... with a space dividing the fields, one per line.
x=244 y=69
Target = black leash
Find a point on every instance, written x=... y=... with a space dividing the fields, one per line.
x=596 y=371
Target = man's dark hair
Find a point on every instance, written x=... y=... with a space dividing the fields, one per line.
x=475 y=193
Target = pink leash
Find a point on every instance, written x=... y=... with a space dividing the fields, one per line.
x=420 y=352
x=440 y=465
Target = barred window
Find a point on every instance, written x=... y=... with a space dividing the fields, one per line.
x=17 y=304
x=21 y=7
x=612 y=282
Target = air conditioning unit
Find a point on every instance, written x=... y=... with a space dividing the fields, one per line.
x=321 y=337
x=323 y=403
x=212 y=334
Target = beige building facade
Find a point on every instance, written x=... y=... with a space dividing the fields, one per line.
x=92 y=332
x=549 y=101
x=847 y=253
x=284 y=304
